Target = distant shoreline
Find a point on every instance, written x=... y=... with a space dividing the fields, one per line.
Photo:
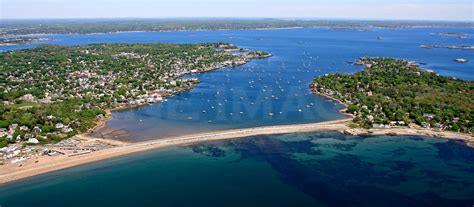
x=167 y=31
x=204 y=30
x=21 y=41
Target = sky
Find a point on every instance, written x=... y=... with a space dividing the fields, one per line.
x=448 y=10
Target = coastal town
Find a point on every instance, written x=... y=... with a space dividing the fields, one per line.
x=19 y=154
x=52 y=93
x=236 y=103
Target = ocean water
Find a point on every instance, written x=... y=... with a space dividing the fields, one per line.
x=309 y=169
x=246 y=96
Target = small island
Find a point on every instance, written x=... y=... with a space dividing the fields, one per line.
x=391 y=93
x=20 y=40
x=51 y=93
x=452 y=34
x=452 y=47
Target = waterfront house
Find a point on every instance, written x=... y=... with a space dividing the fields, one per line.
x=425 y=125
x=380 y=126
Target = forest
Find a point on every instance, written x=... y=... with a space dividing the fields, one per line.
x=397 y=92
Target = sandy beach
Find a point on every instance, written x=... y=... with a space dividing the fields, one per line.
x=45 y=164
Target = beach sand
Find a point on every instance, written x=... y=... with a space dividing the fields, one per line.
x=12 y=172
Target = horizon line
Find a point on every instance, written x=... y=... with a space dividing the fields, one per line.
x=237 y=18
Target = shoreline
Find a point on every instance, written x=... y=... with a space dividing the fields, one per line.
x=236 y=29
x=12 y=173
x=45 y=164
x=400 y=130
x=108 y=112
x=167 y=31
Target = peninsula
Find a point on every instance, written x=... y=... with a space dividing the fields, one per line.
x=51 y=93
x=391 y=93
x=20 y=40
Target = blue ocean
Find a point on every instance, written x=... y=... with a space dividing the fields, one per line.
x=310 y=169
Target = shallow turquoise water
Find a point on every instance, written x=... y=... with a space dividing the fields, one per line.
x=311 y=169
x=277 y=84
